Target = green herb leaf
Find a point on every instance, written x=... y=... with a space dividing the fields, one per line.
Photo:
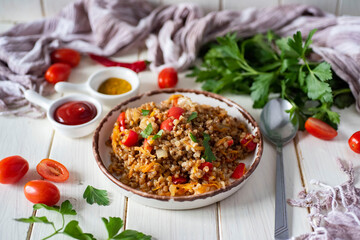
x=34 y=219
x=208 y=155
x=113 y=225
x=260 y=89
x=73 y=229
x=40 y=205
x=93 y=195
x=323 y=71
x=192 y=116
x=318 y=90
x=193 y=138
x=132 y=235
x=67 y=209
x=145 y=112
x=158 y=135
x=147 y=131
x=296 y=43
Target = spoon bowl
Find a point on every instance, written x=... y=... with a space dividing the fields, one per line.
x=277 y=127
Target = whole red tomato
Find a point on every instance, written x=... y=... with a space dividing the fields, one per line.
x=12 y=169
x=354 y=142
x=40 y=191
x=66 y=55
x=58 y=72
x=320 y=129
x=167 y=78
x=52 y=170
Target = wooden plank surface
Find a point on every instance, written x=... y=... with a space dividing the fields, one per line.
x=326 y=5
x=242 y=4
x=52 y=8
x=20 y=10
x=349 y=7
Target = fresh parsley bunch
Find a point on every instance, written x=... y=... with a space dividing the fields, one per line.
x=267 y=64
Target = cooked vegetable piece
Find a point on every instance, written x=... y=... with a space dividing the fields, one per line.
x=121 y=120
x=145 y=112
x=130 y=139
x=239 y=171
x=167 y=125
x=176 y=112
x=248 y=142
x=179 y=180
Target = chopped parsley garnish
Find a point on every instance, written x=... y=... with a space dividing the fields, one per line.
x=192 y=116
x=148 y=130
x=145 y=112
x=208 y=155
x=158 y=135
x=193 y=138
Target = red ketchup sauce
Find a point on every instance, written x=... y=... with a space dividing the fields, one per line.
x=75 y=113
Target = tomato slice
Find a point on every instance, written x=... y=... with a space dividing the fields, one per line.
x=121 y=120
x=239 y=171
x=320 y=129
x=179 y=180
x=12 y=169
x=130 y=139
x=52 y=170
x=206 y=164
x=231 y=142
x=167 y=125
x=147 y=145
x=354 y=142
x=248 y=142
x=66 y=55
x=175 y=112
x=40 y=191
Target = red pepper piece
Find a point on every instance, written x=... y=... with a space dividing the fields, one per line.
x=175 y=112
x=230 y=142
x=147 y=146
x=179 y=180
x=131 y=139
x=239 y=171
x=206 y=164
x=121 y=120
x=248 y=142
x=137 y=66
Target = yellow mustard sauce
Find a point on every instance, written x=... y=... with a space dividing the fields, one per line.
x=114 y=86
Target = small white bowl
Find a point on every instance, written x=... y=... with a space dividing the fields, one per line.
x=95 y=80
x=72 y=131
x=102 y=151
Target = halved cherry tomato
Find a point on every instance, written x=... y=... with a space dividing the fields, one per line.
x=239 y=171
x=58 y=72
x=130 y=139
x=12 y=169
x=179 y=180
x=248 y=142
x=167 y=78
x=230 y=142
x=40 y=191
x=52 y=170
x=354 y=142
x=121 y=120
x=147 y=145
x=320 y=129
x=66 y=55
x=206 y=164
x=167 y=125
x=175 y=112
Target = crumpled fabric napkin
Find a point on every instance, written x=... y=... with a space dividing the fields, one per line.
x=334 y=211
x=173 y=35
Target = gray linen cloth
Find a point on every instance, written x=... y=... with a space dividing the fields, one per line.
x=173 y=35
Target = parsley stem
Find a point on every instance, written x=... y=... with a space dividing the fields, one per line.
x=341 y=91
x=53 y=234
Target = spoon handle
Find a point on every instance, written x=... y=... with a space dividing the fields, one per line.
x=281 y=227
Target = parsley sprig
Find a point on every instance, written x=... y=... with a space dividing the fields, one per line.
x=93 y=195
x=267 y=64
x=208 y=154
x=147 y=131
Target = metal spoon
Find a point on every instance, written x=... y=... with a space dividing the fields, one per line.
x=276 y=126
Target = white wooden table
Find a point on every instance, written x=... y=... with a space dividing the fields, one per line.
x=248 y=214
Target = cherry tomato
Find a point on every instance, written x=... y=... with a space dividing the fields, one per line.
x=58 y=72
x=354 y=142
x=40 y=191
x=167 y=78
x=239 y=171
x=130 y=139
x=320 y=129
x=121 y=120
x=52 y=170
x=206 y=164
x=167 y=125
x=147 y=146
x=231 y=142
x=66 y=55
x=179 y=180
x=175 y=112
x=248 y=142
x=12 y=169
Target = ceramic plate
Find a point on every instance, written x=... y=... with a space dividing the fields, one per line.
x=102 y=152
